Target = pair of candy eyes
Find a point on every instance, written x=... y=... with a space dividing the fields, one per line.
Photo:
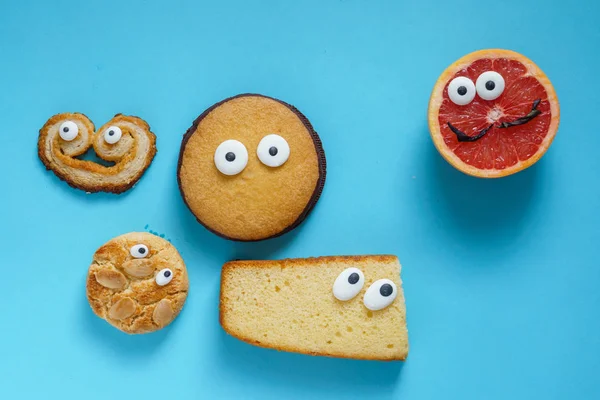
x=69 y=130
x=231 y=156
x=489 y=86
x=164 y=276
x=378 y=296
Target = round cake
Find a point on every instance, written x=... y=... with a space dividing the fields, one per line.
x=251 y=168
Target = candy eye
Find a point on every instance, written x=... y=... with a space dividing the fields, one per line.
x=112 y=135
x=348 y=284
x=461 y=90
x=139 y=251
x=68 y=130
x=273 y=150
x=380 y=294
x=231 y=157
x=163 y=277
x=490 y=85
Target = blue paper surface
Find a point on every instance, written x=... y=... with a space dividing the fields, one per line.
x=500 y=276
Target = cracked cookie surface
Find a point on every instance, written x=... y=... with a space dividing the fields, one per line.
x=137 y=282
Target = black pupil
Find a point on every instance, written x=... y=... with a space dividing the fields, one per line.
x=110 y=133
x=273 y=151
x=386 y=290
x=65 y=129
x=142 y=250
x=230 y=156
x=167 y=274
x=462 y=90
x=353 y=278
x=490 y=85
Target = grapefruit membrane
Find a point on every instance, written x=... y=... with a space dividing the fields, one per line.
x=493 y=113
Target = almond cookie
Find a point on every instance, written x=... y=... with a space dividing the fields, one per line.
x=137 y=282
x=251 y=168
x=125 y=141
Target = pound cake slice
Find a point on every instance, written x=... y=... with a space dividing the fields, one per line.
x=343 y=306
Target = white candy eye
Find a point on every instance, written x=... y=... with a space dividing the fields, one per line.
x=490 y=85
x=112 y=135
x=68 y=130
x=380 y=294
x=348 y=284
x=163 y=277
x=461 y=90
x=139 y=251
x=273 y=150
x=231 y=157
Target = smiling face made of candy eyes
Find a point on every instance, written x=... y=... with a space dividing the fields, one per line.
x=491 y=95
x=137 y=282
x=493 y=113
x=378 y=296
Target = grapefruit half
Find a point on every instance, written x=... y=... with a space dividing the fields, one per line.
x=493 y=113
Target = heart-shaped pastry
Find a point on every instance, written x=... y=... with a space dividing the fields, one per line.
x=125 y=141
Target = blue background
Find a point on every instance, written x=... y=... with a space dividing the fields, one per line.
x=500 y=276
